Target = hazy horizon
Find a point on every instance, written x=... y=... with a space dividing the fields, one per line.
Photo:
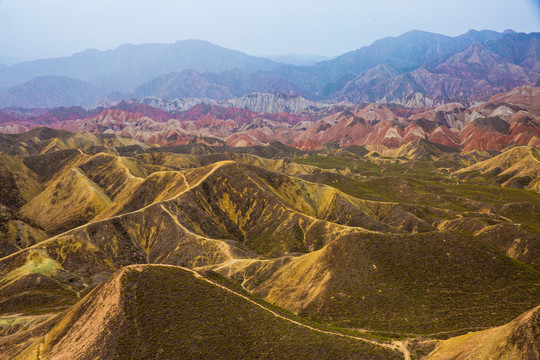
x=59 y=28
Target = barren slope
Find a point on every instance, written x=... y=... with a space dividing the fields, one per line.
x=516 y=340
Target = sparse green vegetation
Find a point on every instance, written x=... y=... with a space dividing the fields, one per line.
x=166 y=312
x=336 y=240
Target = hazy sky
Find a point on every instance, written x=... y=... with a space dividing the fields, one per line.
x=51 y=28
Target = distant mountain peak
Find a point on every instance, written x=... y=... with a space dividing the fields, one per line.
x=476 y=53
x=429 y=67
x=196 y=42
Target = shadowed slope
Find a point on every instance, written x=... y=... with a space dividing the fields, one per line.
x=515 y=240
x=273 y=214
x=50 y=274
x=18 y=185
x=415 y=283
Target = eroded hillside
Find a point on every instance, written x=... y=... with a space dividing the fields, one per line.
x=406 y=246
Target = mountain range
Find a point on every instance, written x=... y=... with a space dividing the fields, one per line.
x=416 y=68
x=130 y=65
x=505 y=120
x=264 y=251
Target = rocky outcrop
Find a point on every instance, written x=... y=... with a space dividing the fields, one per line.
x=258 y=102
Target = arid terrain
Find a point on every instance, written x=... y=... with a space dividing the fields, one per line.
x=384 y=204
x=376 y=255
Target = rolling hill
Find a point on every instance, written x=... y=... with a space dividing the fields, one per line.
x=196 y=317
x=338 y=252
